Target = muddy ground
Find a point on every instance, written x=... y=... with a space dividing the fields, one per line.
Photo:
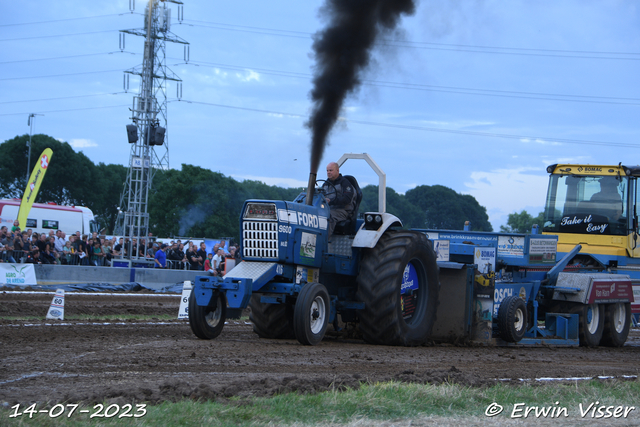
x=153 y=361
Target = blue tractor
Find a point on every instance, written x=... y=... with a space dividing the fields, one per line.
x=296 y=281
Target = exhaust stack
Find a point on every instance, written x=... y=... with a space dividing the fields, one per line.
x=311 y=187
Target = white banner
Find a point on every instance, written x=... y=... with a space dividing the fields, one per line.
x=17 y=274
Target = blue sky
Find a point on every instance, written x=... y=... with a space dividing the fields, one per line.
x=479 y=96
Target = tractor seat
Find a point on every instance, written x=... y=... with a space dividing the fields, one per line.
x=348 y=226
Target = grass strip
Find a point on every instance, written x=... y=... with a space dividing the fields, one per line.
x=375 y=404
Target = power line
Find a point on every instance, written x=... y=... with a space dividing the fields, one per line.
x=69 y=109
x=67 y=57
x=445 y=89
x=58 y=35
x=562 y=53
x=67 y=19
x=428 y=129
x=61 y=75
x=496 y=52
x=62 y=97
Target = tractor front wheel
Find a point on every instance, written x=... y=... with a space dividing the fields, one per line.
x=207 y=322
x=311 y=314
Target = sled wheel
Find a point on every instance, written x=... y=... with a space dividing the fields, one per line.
x=271 y=320
x=617 y=321
x=311 y=314
x=207 y=322
x=398 y=283
x=591 y=323
x=512 y=319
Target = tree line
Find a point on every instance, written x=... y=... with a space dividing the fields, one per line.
x=198 y=202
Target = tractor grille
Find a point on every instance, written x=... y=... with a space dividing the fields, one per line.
x=260 y=239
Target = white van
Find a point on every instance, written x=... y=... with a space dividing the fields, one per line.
x=45 y=217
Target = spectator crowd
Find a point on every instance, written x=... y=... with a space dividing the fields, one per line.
x=18 y=246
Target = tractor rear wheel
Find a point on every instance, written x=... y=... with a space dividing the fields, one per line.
x=398 y=283
x=512 y=319
x=271 y=320
x=617 y=321
x=311 y=314
x=591 y=323
x=207 y=322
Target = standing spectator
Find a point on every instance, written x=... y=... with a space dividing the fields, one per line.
x=161 y=257
x=151 y=252
x=18 y=246
x=134 y=248
x=60 y=241
x=108 y=251
x=181 y=253
x=202 y=255
x=3 y=232
x=83 y=251
x=6 y=239
x=192 y=257
x=119 y=248
x=97 y=255
x=16 y=224
x=42 y=245
x=172 y=252
x=52 y=250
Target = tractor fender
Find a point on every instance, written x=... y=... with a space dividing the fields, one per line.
x=367 y=238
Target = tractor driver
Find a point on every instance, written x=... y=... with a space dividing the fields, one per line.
x=340 y=195
x=608 y=201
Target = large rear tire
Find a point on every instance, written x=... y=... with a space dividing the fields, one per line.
x=311 y=314
x=512 y=319
x=591 y=323
x=398 y=283
x=207 y=322
x=271 y=320
x=617 y=321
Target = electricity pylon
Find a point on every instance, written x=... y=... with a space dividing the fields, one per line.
x=147 y=135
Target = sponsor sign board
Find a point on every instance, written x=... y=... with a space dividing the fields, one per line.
x=17 y=274
x=543 y=251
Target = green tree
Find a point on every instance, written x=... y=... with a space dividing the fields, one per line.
x=197 y=202
x=443 y=208
x=71 y=179
x=397 y=204
x=521 y=222
x=108 y=189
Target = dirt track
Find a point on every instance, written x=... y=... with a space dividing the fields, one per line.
x=88 y=361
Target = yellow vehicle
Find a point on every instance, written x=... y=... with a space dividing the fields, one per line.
x=595 y=206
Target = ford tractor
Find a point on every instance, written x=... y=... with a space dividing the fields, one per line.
x=297 y=280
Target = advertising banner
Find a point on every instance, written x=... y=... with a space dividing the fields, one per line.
x=17 y=274
x=33 y=186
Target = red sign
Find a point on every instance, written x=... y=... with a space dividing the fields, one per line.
x=611 y=291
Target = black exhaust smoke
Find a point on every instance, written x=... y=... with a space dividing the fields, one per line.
x=342 y=52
